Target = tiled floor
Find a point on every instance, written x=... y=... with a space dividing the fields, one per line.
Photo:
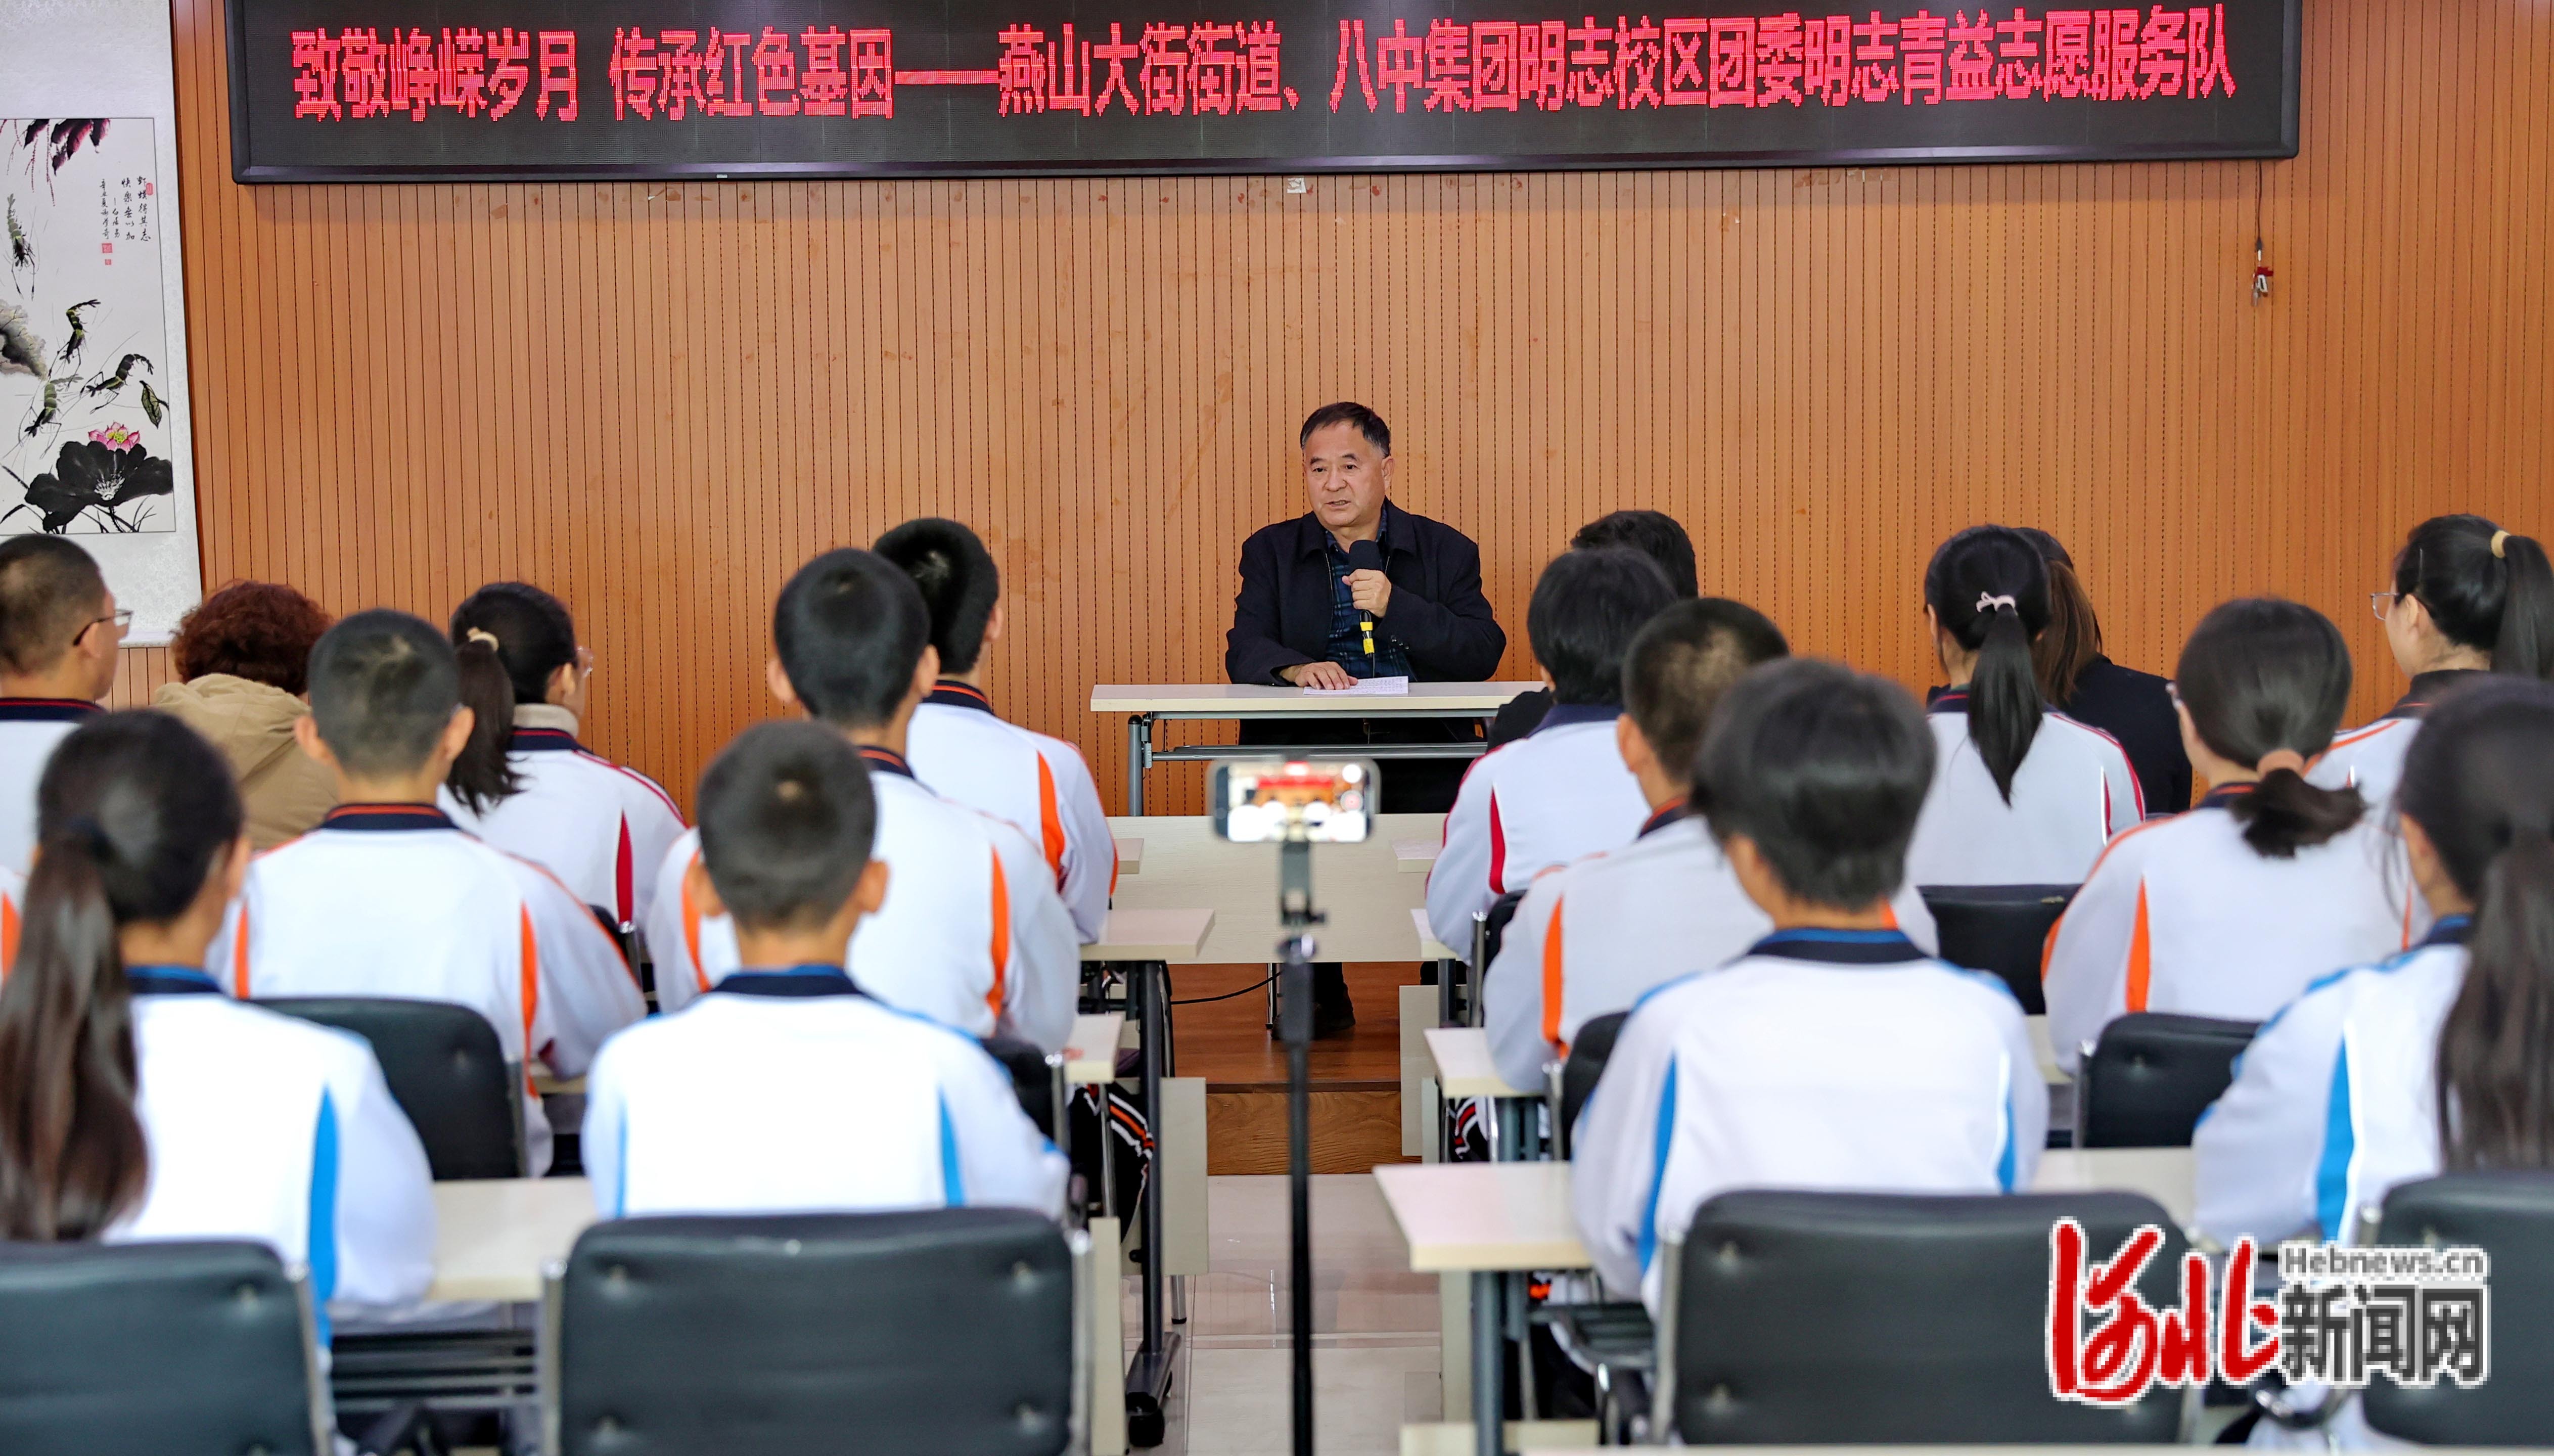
x=1374 y=1327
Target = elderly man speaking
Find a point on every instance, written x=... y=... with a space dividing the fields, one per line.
x=1299 y=619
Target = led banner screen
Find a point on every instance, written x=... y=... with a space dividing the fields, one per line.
x=424 y=89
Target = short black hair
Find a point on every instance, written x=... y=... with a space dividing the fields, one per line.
x=383 y=688
x=1653 y=534
x=1683 y=663
x=787 y=819
x=1585 y=611
x=1826 y=769
x=1347 y=412
x=49 y=592
x=849 y=630
x=958 y=580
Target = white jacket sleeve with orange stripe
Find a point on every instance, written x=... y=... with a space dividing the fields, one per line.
x=586 y=988
x=2086 y=973
x=13 y=896
x=1089 y=875
x=1460 y=883
x=1042 y=983
x=673 y=931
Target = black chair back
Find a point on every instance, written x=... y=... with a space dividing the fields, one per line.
x=1589 y=1052
x=2151 y=1075
x=154 y=1347
x=1032 y=1081
x=949 y=1330
x=1502 y=910
x=1999 y=928
x=1846 y=1318
x=2511 y=1216
x=447 y=1070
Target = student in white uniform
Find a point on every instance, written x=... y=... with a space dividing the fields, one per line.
x=13 y=895
x=2469 y=598
x=962 y=751
x=1594 y=936
x=60 y=629
x=137 y=1101
x=2022 y=795
x=2440 y=1057
x=523 y=783
x=786 y=1088
x=1561 y=791
x=972 y=933
x=2231 y=909
x=387 y=898
x=1834 y=1054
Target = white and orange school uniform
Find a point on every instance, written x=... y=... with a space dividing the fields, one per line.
x=2073 y=791
x=601 y=828
x=2333 y=1105
x=2182 y=916
x=876 y=1109
x=2370 y=759
x=1038 y=785
x=1591 y=938
x=394 y=900
x=29 y=730
x=972 y=934
x=13 y=896
x=266 y=1128
x=1830 y=1059
x=1560 y=793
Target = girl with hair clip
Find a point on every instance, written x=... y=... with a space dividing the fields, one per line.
x=2469 y=598
x=525 y=784
x=137 y=1100
x=2441 y=1057
x=2021 y=796
x=2229 y=910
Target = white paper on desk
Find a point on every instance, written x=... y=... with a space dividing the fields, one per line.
x=1372 y=687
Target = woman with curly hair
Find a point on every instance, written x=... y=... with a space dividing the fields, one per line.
x=244 y=657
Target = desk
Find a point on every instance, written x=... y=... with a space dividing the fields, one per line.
x=1091 y=1058
x=1358 y=886
x=1413 y=856
x=493 y=1236
x=1131 y=856
x=1172 y=936
x=1145 y=705
x=2165 y=1175
x=1463 y=1065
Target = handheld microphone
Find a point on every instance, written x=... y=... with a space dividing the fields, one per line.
x=1365 y=556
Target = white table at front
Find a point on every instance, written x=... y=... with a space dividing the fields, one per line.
x=1497 y=1219
x=1144 y=705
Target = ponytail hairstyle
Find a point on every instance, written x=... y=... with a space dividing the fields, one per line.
x=2266 y=682
x=133 y=814
x=2074 y=638
x=2479 y=782
x=1989 y=590
x=510 y=638
x=2485 y=587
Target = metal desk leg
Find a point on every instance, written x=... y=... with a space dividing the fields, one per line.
x=1148 y=1375
x=1139 y=756
x=1489 y=1363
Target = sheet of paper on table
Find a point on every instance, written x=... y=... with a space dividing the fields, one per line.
x=1373 y=687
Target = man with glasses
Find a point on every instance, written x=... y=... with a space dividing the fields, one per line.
x=59 y=628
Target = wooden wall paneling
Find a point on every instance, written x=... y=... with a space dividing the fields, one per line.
x=658 y=398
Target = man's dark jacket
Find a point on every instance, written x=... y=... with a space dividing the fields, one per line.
x=1282 y=615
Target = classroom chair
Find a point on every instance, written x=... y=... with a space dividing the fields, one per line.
x=1849 y=1318
x=2511 y=1215
x=1037 y=1079
x=1573 y=1079
x=189 y=1346
x=947 y=1331
x=2151 y=1075
x=446 y=1070
x=1999 y=928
